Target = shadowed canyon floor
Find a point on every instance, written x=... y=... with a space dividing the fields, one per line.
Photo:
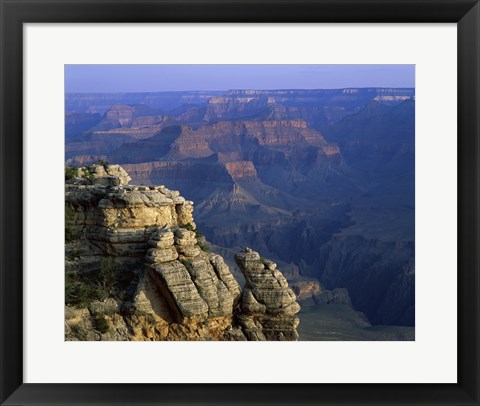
x=341 y=323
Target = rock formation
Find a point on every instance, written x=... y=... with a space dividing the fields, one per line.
x=268 y=305
x=310 y=292
x=165 y=285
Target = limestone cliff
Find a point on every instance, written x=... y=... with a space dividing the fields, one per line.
x=138 y=269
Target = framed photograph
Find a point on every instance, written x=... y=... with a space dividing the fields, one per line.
x=239 y=202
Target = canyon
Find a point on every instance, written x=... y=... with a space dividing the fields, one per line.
x=320 y=181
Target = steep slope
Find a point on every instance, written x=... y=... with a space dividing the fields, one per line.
x=137 y=269
x=77 y=123
x=286 y=154
x=378 y=275
x=378 y=136
x=316 y=107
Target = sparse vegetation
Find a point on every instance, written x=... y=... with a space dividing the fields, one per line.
x=82 y=289
x=198 y=235
x=106 y=276
x=71 y=172
x=79 y=332
x=77 y=292
x=88 y=174
x=187 y=264
x=123 y=280
x=149 y=319
x=101 y=324
x=102 y=162
x=189 y=227
x=69 y=218
x=204 y=246
x=73 y=253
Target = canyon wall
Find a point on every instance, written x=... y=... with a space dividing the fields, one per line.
x=321 y=181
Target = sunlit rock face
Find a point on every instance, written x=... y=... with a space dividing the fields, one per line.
x=166 y=285
x=268 y=305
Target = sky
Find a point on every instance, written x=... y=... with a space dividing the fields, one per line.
x=158 y=78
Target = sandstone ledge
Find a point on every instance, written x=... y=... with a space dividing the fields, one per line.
x=173 y=290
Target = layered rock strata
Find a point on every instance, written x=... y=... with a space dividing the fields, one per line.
x=268 y=306
x=198 y=285
x=167 y=286
x=309 y=292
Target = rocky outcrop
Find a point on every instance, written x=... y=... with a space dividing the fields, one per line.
x=268 y=306
x=309 y=292
x=221 y=108
x=197 y=284
x=83 y=160
x=241 y=170
x=164 y=284
x=98 y=174
x=106 y=175
x=138 y=121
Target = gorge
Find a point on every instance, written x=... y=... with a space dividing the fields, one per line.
x=319 y=181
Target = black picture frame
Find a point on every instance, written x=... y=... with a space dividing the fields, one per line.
x=14 y=13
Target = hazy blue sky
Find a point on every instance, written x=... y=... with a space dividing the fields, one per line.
x=156 y=78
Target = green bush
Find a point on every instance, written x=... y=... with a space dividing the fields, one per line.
x=189 y=227
x=69 y=218
x=74 y=254
x=203 y=246
x=106 y=275
x=101 y=324
x=88 y=174
x=77 y=292
x=83 y=289
x=70 y=289
x=206 y=323
x=71 y=172
x=187 y=264
x=79 y=332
